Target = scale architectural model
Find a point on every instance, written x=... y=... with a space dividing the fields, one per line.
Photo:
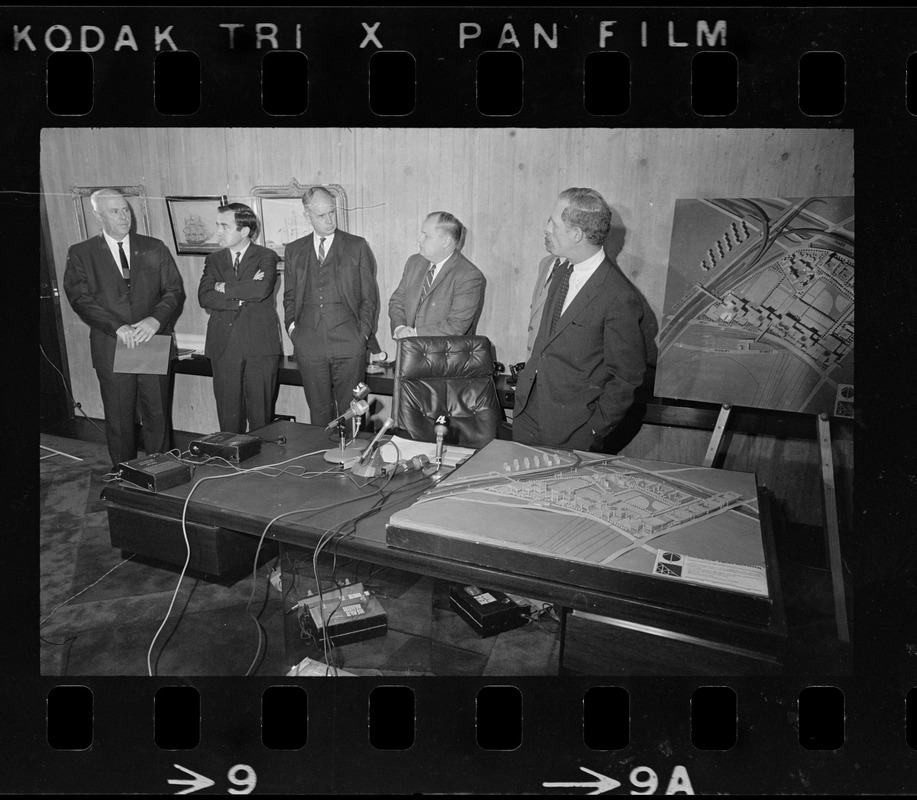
x=656 y=529
x=759 y=304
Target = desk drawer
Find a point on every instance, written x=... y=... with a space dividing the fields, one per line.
x=215 y=551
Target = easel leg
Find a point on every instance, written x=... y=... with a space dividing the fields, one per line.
x=717 y=437
x=53 y=452
x=836 y=563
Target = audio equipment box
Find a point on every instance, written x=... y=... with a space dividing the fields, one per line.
x=488 y=612
x=155 y=473
x=350 y=614
x=231 y=446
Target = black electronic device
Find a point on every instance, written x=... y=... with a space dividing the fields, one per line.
x=487 y=612
x=514 y=370
x=231 y=446
x=350 y=614
x=155 y=473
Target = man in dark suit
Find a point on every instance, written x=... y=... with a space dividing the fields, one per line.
x=589 y=355
x=331 y=306
x=125 y=286
x=243 y=334
x=441 y=292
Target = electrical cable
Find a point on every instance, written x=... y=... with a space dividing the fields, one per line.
x=73 y=402
x=184 y=529
x=42 y=622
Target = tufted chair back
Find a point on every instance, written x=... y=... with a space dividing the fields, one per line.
x=451 y=375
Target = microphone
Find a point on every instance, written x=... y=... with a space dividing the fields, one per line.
x=418 y=462
x=441 y=428
x=357 y=409
x=375 y=441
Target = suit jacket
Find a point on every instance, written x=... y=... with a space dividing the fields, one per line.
x=589 y=368
x=539 y=295
x=453 y=305
x=99 y=295
x=247 y=304
x=355 y=271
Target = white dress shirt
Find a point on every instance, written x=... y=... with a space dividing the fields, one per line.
x=317 y=240
x=232 y=253
x=582 y=272
x=113 y=246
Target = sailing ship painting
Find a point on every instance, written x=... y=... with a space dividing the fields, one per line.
x=193 y=221
x=195 y=230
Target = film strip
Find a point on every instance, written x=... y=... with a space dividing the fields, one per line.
x=624 y=86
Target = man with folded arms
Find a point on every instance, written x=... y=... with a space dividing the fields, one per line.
x=243 y=333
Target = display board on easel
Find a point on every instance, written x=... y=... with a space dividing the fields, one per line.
x=759 y=304
x=759 y=312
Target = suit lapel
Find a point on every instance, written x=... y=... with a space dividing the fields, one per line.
x=443 y=271
x=333 y=253
x=542 y=291
x=245 y=263
x=582 y=299
x=113 y=270
x=308 y=258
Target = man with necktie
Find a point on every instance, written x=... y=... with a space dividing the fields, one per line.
x=589 y=355
x=331 y=306
x=243 y=333
x=441 y=292
x=125 y=287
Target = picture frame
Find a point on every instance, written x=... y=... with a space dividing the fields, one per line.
x=86 y=220
x=282 y=216
x=192 y=221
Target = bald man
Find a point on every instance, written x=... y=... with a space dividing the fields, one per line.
x=125 y=286
x=331 y=306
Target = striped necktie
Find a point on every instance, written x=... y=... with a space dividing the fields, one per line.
x=235 y=265
x=125 y=267
x=561 y=295
x=321 y=250
x=427 y=282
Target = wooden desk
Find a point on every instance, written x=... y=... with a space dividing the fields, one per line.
x=226 y=516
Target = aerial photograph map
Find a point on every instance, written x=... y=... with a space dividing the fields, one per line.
x=759 y=304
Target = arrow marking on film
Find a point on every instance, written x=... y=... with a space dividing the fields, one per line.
x=602 y=785
x=196 y=782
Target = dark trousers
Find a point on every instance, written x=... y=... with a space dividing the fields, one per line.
x=526 y=429
x=332 y=361
x=244 y=388
x=122 y=394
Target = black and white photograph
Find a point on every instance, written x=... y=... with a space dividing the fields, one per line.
x=511 y=383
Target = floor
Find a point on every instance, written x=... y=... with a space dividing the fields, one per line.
x=101 y=612
x=108 y=629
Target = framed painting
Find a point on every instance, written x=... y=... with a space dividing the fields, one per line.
x=193 y=224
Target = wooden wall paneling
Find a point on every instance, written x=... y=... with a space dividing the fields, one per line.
x=502 y=183
x=194 y=161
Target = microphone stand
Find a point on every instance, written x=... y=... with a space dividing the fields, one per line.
x=345 y=453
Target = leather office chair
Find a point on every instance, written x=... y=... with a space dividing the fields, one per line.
x=451 y=375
